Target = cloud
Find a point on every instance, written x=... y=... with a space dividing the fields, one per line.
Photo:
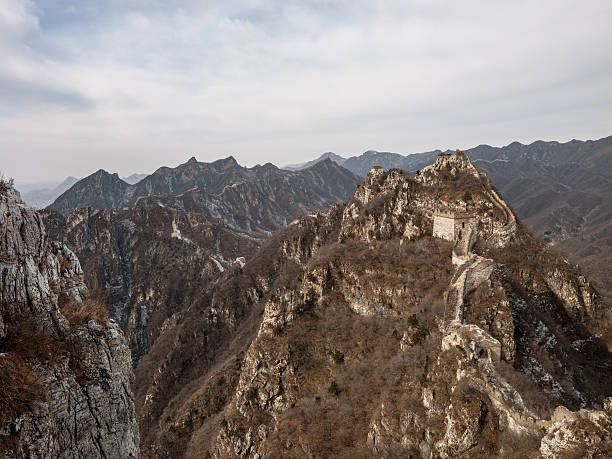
x=17 y=95
x=131 y=85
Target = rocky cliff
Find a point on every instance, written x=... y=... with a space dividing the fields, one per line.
x=150 y=262
x=65 y=369
x=355 y=332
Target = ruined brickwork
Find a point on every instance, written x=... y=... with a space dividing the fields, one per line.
x=447 y=225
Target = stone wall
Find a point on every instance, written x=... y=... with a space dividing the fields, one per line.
x=462 y=223
x=444 y=227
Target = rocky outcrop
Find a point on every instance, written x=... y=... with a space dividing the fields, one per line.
x=66 y=379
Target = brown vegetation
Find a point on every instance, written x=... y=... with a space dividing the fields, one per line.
x=533 y=396
x=19 y=387
x=30 y=342
x=83 y=312
x=63 y=263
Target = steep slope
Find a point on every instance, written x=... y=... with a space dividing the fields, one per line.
x=43 y=197
x=65 y=373
x=212 y=177
x=358 y=333
x=149 y=257
x=100 y=190
x=561 y=190
x=266 y=201
x=315 y=187
x=149 y=261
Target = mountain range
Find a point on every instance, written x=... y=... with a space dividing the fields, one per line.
x=334 y=309
x=354 y=330
x=209 y=187
x=178 y=227
x=560 y=190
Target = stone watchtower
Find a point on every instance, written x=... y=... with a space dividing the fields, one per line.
x=448 y=225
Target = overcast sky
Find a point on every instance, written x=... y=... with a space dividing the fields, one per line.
x=129 y=86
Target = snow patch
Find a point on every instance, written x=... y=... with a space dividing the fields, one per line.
x=579 y=344
x=544 y=336
x=176 y=232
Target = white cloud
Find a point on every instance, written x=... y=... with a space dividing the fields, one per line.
x=128 y=87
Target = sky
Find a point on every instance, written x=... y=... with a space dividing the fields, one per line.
x=132 y=85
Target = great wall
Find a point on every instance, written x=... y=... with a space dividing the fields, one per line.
x=471 y=270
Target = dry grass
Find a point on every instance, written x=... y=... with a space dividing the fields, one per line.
x=19 y=387
x=63 y=263
x=31 y=343
x=88 y=309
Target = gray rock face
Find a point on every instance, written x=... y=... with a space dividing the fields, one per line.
x=216 y=189
x=83 y=404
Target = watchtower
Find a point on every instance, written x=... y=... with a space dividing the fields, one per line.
x=448 y=225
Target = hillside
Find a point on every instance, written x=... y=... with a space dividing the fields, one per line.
x=149 y=262
x=356 y=332
x=150 y=257
x=560 y=190
x=266 y=200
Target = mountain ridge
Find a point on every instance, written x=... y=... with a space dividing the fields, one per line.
x=560 y=189
x=335 y=330
x=104 y=190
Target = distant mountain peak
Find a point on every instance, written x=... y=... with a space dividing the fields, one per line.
x=331 y=155
x=226 y=163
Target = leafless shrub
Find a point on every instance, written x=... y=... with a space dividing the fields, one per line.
x=534 y=398
x=88 y=309
x=19 y=387
x=31 y=343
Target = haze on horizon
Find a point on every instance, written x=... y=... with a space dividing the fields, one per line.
x=129 y=86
